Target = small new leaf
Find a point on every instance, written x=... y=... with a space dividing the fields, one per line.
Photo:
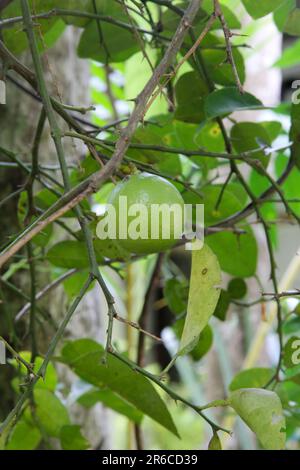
x=215 y=443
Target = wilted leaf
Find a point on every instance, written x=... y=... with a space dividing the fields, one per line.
x=203 y=296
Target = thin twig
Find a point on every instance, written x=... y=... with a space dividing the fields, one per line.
x=279 y=295
x=45 y=291
x=228 y=34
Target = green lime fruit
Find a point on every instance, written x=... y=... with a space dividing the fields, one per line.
x=149 y=213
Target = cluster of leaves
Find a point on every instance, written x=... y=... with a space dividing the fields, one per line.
x=183 y=139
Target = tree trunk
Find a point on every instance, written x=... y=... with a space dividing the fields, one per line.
x=68 y=79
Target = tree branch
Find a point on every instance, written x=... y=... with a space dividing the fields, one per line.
x=92 y=184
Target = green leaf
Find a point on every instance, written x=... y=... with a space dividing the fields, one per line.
x=214 y=212
x=209 y=136
x=231 y=19
x=273 y=128
x=106 y=248
x=262 y=412
x=237 y=288
x=137 y=73
x=85 y=6
x=49 y=30
x=203 y=296
x=164 y=162
x=291 y=185
x=292 y=424
x=70 y=254
x=25 y=436
x=86 y=167
x=287 y=17
x=260 y=8
x=257 y=377
x=117 y=43
x=291 y=352
x=237 y=255
x=85 y=358
x=258 y=183
x=170 y=18
x=176 y=295
x=227 y=100
x=249 y=136
x=237 y=189
x=282 y=13
x=222 y=305
x=50 y=380
x=72 y=439
x=204 y=343
x=50 y=412
x=190 y=92
x=293 y=374
x=73 y=284
x=290 y=56
x=112 y=401
x=291 y=326
x=43 y=238
x=45 y=198
x=288 y=392
x=292 y=25
x=218 y=68
x=295 y=133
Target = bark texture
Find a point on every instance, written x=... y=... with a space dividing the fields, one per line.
x=68 y=79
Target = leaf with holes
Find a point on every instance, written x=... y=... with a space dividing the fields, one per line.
x=262 y=412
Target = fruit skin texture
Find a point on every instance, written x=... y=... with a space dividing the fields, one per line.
x=147 y=189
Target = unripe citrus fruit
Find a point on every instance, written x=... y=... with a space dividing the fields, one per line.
x=152 y=220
